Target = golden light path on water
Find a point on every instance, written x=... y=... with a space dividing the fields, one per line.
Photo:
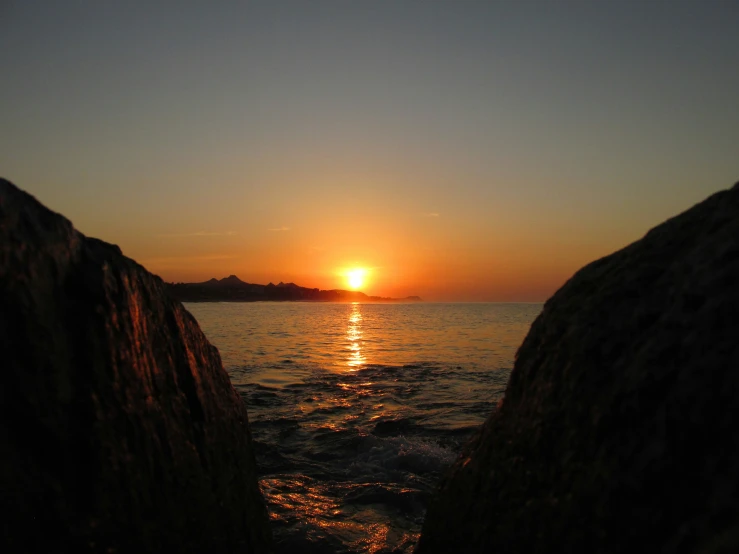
x=354 y=336
x=313 y=500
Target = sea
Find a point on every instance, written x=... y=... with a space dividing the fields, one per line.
x=357 y=409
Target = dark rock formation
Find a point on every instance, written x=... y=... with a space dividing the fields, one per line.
x=619 y=429
x=119 y=428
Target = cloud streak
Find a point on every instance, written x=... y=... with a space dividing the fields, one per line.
x=279 y=229
x=432 y=214
x=201 y=234
x=176 y=261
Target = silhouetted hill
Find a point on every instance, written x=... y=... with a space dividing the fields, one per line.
x=233 y=289
x=231 y=281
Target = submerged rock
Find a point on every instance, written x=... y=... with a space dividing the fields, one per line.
x=119 y=428
x=620 y=425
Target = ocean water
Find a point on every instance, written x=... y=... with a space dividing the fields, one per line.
x=357 y=409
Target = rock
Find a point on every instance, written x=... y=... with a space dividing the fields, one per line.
x=619 y=429
x=119 y=428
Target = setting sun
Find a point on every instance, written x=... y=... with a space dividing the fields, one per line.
x=355 y=278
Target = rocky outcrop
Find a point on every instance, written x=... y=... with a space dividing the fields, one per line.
x=619 y=429
x=119 y=428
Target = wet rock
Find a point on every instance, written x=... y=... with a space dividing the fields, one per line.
x=620 y=425
x=119 y=428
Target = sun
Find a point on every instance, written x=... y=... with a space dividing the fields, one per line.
x=355 y=278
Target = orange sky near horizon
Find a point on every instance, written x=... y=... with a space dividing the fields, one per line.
x=458 y=151
x=441 y=255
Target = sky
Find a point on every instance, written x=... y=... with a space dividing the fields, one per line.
x=470 y=151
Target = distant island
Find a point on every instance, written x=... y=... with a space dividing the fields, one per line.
x=233 y=289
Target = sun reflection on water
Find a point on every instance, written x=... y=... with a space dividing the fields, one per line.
x=354 y=335
x=315 y=503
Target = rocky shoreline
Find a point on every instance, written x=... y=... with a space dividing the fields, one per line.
x=121 y=431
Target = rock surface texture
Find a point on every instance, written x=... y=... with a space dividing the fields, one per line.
x=619 y=430
x=119 y=428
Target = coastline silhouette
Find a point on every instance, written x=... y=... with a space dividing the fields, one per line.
x=233 y=289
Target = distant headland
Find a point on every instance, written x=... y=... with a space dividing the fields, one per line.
x=233 y=289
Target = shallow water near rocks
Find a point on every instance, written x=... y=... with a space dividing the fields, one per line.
x=357 y=409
